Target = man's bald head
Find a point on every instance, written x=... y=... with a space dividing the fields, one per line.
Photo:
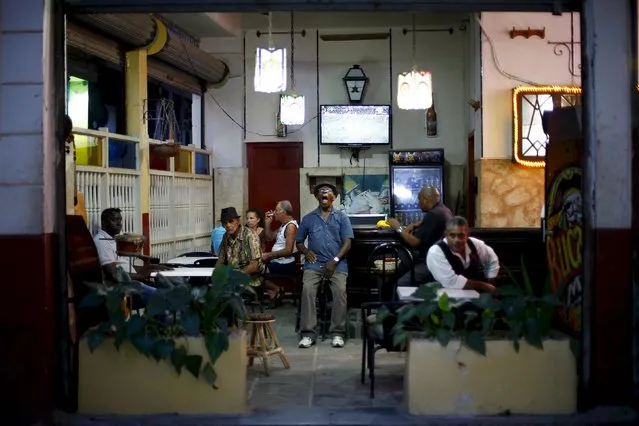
x=429 y=191
x=428 y=197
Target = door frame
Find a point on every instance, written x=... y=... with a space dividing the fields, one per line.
x=194 y=6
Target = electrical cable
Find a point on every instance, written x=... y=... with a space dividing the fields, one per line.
x=229 y=116
x=496 y=59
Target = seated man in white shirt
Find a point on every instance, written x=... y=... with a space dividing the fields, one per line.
x=462 y=262
x=111 y=222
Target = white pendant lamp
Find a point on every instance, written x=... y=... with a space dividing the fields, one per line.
x=292 y=109
x=415 y=88
x=292 y=106
x=270 y=66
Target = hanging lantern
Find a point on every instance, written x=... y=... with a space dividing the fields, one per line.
x=292 y=109
x=270 y=70
x=415 y=90
x=355 y=81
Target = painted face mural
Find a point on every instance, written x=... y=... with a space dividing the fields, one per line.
x=564 y=246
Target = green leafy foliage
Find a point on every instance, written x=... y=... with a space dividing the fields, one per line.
x=513 y=312
x=172 y=313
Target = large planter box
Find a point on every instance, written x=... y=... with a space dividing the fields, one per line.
x=454 y=381
x=127 y=382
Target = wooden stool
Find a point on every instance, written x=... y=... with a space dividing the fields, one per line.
x=264 y=343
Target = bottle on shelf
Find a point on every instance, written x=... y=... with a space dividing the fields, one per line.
x=431 y=120
x=281 y=127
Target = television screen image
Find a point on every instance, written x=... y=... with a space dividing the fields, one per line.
x=355 y=124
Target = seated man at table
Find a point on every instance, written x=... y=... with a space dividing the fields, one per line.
x=240 y=247
x=329 y=234
x=462 y=262
x=111 y=225
x=420 y=236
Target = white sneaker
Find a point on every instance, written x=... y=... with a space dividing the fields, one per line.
x=338 y=342
x=306 y=342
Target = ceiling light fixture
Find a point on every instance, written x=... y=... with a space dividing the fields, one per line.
x=415 y=88
x=270 y=66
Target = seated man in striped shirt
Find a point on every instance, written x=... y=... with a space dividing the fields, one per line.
x=462 y=262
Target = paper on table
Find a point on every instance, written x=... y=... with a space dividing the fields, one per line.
x=186 y=261
x=458 y=294
x=406 y=293
x=186 y=272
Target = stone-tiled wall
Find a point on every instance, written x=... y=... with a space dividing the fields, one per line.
x=230 y=190
x=510 y=196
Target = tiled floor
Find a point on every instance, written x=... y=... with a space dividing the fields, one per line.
x=322 y=376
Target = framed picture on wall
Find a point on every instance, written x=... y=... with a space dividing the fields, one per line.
x=366 y=194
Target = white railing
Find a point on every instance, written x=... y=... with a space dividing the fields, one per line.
x=181 y=208
x=108 y=187
x=180 y=200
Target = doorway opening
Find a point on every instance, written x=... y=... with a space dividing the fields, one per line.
x=320 y=376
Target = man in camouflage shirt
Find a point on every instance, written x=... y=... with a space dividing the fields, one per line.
x=240 y=247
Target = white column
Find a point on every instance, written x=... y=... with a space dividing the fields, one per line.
x=608 y=85
x=29 y=160
x=27 y=134
x=609 y=92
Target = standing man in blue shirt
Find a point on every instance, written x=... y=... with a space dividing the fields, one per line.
x=329 y=233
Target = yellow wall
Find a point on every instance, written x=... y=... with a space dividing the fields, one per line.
x=454 y=381
x=126 y=382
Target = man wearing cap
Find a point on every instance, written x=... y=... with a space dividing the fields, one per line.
x=329 y=234
x=240 y=246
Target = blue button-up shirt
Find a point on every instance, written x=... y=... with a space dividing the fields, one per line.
x=325 y=238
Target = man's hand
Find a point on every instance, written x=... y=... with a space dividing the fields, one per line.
x=486 y=287
x=393 y=223
x=409 y=228
x=146 y=270
x=310 y=256
x=266 y=257
x=329 y=268
x=268 y=218
x=480 y=286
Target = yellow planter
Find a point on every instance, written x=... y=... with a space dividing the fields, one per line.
x=454 y=381
x=127 y=382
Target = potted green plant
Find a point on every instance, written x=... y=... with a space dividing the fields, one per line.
x=498 y=353
x=181 y=328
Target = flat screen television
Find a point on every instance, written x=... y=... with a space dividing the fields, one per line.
x=355 y=124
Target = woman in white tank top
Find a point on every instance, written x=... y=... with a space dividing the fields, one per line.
x=281 y=259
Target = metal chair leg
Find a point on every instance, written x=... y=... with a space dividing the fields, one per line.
x=364 y=344
x=371 y=367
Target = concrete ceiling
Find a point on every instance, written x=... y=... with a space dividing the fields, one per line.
x=335 y=20
x=204 y=25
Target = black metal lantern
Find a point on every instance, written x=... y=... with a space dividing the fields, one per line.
x=355 y=81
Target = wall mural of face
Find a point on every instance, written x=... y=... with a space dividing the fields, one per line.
x=572 y=207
